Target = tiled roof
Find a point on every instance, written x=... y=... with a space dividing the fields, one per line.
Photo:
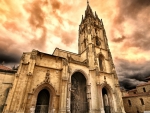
x=2 y=67
x=131 y=90
x=138 y=94
x=148 y=78
x=147 y=83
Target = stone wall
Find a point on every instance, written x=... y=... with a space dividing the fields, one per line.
x=6 y=81
x=137 y=100
x=136 y=104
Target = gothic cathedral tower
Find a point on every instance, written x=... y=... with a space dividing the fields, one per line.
x=67 y=82
x=93 y=42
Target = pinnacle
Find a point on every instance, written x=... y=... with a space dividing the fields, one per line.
x=88 y=10
x=87 y=2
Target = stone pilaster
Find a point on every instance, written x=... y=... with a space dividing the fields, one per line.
x=100 y=98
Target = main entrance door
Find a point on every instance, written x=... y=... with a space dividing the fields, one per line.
x=42 y=103
x=78 y=94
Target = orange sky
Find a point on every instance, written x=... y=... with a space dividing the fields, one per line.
x=47 y=24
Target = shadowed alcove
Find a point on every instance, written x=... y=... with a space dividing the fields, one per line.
x=78 y=93
x=42 y=103
x=106 y=101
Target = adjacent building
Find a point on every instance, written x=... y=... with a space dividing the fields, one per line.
x=7 y=76
x=137 y=100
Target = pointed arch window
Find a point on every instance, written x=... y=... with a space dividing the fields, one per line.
x=101 y=62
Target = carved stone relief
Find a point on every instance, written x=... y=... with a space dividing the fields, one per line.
x=47 y=79
x=29 y=74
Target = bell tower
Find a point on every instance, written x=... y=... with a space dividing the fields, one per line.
x=93 y=41
x=91 y=31
x=93 y=46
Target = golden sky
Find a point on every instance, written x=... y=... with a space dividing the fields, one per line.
x=47 y=24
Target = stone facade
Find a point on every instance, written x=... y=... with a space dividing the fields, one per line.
x=66 y=82
x=137 y=100
x=6 y=80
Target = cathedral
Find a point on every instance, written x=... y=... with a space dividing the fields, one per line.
x=66 y=82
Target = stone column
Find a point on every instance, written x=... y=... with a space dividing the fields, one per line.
x=68 y=97
x=11 y=96
x=29 y=77
x=89 y=97
x=100 y=98
x=63 y=96
x=69 y=70
x=63 y=85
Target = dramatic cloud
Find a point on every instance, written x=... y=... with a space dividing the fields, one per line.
x=46 y=24
x=131 y=37
x=132 y=73
x=36 y=20
x=132 y=21
x=7 y=54
x=120 y=39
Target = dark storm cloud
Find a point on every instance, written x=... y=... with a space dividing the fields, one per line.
x=8 y=52
x=141 y=39
x=132 y=73
x=127 y=84
x=131 y=8
x=9 y=57
x=135 y=13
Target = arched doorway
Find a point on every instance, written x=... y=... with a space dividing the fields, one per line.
x=42 y=103
x=106 y=101
x=79 y=102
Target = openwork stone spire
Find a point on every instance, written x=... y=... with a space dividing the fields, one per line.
x=88 y=11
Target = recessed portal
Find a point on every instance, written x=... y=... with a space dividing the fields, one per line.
x=42 y=103
x=79 y=102
x=106 y=101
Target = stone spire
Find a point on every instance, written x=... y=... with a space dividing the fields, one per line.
x=96 y=15
x=82 y=19
x=88 y=11
x=87 y=2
